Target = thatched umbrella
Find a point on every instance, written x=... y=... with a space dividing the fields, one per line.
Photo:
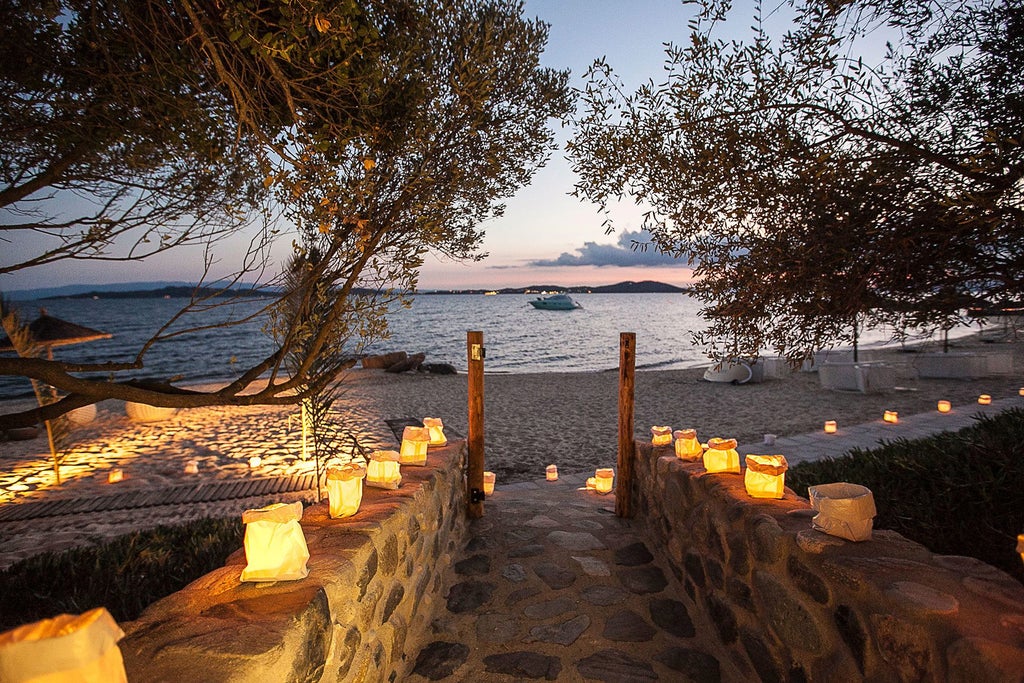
x=49 y=331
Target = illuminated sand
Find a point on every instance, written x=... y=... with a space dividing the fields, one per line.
x=532 y=420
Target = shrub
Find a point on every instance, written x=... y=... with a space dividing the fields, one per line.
x=125 y=575
x=956 y=493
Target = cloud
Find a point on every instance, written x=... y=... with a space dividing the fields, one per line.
x=620 y=254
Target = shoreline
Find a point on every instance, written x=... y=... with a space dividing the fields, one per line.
x=569 y=419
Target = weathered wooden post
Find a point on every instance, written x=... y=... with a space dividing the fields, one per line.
x=475 y=444
x=624 y=483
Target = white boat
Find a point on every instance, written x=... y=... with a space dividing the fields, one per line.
x=556 y=302
x=730 y=371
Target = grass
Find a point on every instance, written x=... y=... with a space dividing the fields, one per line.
x=125 y=575
x=956 y=493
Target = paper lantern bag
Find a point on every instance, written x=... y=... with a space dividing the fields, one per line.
x=687 y=445
x=721 y=456
x=765 y=476
x=68 y=648
x=275 y=549
x=844 y=510
x=345 y=489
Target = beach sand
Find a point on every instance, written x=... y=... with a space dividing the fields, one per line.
x=531 y=420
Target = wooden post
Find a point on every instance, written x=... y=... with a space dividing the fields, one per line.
x=475 y=444
x=624 y=480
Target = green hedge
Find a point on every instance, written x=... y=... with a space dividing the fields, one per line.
x=125 y=575
x=956 y=493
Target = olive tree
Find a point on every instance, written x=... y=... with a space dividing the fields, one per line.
x=847 y=165
x=369 y=132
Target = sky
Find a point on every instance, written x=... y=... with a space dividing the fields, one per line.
x=546 y=236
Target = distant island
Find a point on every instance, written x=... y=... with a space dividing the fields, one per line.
x=172 y=292
x=627 y=287
x=179 y=290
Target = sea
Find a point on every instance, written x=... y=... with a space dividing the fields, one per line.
x=517 y=337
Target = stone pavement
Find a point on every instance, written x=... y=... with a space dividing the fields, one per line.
x=819 y=445
x=553 y=586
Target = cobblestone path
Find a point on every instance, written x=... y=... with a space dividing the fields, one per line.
x=553 y=586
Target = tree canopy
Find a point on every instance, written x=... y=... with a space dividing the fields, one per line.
x=847 y=165
x=370 y=132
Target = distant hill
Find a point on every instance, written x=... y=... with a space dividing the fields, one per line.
x=72 y=290
x=174 y=292
x=627 y=287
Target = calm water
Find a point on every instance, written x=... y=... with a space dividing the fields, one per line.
x=518 y=337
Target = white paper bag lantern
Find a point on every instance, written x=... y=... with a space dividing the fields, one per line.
x=436 y=428
x=687 y=445
x=414 y=446
x=551 y=472
x=831 y=427
x=844 y=510
x=384 y=470
x=604 y=479
x=985 y=400
x=68 y=648
x=765 y=476
x=192 y=467
x=661 y=435
x=489 y=479
x=275 y=548
x=115 y=475
x=345 y=489
x=721 y=456
x=891 y=416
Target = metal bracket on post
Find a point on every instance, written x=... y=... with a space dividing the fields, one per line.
x=476 y=496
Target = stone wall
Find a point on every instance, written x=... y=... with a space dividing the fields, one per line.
x=373 y=581
x=792 y=604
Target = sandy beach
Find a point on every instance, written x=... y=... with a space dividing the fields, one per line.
x=532 y=420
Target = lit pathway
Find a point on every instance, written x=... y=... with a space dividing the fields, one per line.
x=552 y=586
x=819 y=445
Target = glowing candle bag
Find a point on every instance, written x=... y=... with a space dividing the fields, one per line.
x=985 y=400
x=944 y=406
x=661 y=436
x=275 y=548
x=414 y=446
x=604 y=479
x=384 y=470
x=721 y=456
x=436 y=428
x=844 y=510
x=891 y=416
x=551 y=472
x=489 y=479
x=687 y=445
x=831 y=427
x=345 y=489
x=69 y=648
x=765 y=476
